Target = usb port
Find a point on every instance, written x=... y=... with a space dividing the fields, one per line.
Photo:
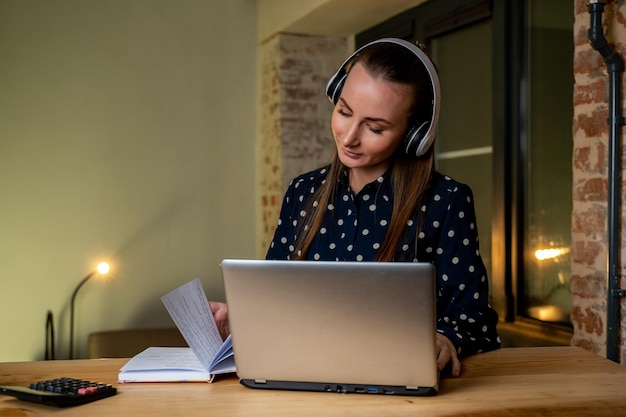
x=372 y=390
x=359 y=389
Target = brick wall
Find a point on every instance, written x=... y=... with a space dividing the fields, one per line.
x=590 y=179
x=294 y=116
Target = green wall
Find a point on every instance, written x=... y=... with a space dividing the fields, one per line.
x=127 y=131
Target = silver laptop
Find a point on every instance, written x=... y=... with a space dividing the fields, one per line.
x=352 y=327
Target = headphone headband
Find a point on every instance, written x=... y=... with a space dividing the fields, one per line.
x=420 y=137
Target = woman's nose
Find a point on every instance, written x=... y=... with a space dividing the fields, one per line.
x=351 y=136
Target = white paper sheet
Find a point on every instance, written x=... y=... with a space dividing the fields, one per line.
x=189 y=308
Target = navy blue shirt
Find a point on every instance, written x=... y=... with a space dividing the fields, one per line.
x=355 y=227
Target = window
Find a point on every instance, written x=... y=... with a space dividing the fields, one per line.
x=505 y=129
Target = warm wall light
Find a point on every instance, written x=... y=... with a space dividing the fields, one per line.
x=102 y=269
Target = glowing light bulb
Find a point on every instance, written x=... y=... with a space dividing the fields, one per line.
x=103 y=268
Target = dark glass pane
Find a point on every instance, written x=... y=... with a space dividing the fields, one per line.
x=548 y=179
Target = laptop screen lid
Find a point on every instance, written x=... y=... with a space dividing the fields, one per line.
x=365 y=327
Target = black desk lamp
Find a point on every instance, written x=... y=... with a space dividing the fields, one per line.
x=102 y=269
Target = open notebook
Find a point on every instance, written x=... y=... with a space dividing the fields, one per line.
x=357 y=327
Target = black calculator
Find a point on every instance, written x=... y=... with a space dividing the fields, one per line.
x=61 y=392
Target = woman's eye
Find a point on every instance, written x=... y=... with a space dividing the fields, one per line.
x=343 y=113
x=374 y=130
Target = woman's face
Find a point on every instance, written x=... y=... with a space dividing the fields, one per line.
x=369 y=121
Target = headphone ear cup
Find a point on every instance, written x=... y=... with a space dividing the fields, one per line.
x=414 y=140
x=335 y=85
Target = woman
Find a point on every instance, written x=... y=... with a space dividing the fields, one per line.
x=380 y=199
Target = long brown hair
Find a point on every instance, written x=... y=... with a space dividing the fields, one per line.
x=410 y=175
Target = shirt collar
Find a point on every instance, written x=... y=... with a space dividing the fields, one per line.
x=344 y=179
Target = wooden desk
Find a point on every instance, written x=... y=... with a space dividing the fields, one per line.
x=550 y=381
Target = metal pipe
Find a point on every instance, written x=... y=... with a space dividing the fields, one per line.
x=615 y=67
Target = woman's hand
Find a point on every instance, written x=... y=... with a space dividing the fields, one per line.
x=446 y=352
x=220 y=314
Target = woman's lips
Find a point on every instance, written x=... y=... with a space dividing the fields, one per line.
x=350 y=154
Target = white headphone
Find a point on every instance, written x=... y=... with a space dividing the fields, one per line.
x=420 y=136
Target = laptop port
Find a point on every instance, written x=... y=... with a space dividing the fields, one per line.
x=372 y=390
x=360 y=390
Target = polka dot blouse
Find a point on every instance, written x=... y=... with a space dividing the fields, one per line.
x=355 y=227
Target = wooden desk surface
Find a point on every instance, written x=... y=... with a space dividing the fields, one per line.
x=546 y=381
